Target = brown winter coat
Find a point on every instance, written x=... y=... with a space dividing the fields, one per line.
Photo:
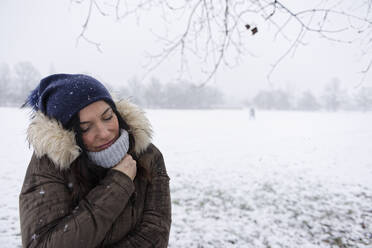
x=115 y=212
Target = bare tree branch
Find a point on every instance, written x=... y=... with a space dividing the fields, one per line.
x=293 y=45
x=212 y=31
x=85 y=26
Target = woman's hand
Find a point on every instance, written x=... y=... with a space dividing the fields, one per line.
x=127 y=166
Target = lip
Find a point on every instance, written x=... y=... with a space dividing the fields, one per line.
x=104 y=146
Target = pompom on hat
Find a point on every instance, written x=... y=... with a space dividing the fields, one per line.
x=61 y=96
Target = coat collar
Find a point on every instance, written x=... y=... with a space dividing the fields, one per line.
x=48 y=137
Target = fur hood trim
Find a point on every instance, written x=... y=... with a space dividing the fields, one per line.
x=47 y=136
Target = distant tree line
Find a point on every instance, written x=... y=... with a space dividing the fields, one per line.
x=180 y=95
x=333 y=98
x=17 y=82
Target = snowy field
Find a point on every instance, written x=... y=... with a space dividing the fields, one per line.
x=286 y=179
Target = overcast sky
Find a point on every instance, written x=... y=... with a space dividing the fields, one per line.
x=44 y=32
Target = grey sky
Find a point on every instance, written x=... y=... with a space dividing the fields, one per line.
x=45 y=32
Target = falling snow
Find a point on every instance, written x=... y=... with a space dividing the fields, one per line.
x=286 y=179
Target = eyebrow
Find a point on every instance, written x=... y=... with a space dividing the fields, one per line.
x=104 y=112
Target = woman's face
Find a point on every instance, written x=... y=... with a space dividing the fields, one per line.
x=99 y=126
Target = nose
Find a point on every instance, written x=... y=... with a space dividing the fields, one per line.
x=102 y=131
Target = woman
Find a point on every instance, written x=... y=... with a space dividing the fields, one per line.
x=95 y=179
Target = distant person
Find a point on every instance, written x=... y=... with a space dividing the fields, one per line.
x=252 y=114
x=95 y=179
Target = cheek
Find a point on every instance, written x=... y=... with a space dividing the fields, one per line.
x=88 y=140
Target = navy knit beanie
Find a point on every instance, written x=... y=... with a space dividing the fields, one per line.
x=61 y=96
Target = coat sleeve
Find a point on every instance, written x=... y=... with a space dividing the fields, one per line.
x=154 y=229
x=45 y=208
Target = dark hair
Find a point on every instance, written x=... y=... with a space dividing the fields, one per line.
x=94 y=175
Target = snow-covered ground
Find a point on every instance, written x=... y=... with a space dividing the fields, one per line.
x=286 y=179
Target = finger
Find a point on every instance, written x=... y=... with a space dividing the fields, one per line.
x=125 y=157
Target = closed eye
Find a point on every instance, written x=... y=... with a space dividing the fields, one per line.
x=107 y=118
x=85 y=126
x=84 y=130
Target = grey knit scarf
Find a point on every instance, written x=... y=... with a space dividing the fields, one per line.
x=112 y=155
